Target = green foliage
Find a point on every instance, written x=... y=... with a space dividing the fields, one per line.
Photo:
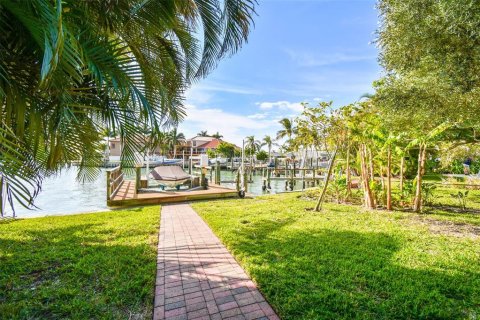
x=346 y=263
x=87 y=266
x=252 y=146
x=262 y=155
x=69 y=69
x=211 y=154
x=461 y=197
x=226 y=149
x=337 y=188
x=428 y=193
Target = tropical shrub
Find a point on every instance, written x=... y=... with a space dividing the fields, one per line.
x=69 y=69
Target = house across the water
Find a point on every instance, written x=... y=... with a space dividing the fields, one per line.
x=195 y=146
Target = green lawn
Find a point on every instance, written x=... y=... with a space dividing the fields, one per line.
x=89 y=266
x=350 y=263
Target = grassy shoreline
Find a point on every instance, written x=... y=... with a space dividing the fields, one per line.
x=99 y=265
x=349 y=263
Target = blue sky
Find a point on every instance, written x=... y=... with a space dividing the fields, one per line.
x=299 y=51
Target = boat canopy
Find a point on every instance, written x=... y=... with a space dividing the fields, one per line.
x=169 y=173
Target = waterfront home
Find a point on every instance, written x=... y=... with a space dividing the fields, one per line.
x=195 y=146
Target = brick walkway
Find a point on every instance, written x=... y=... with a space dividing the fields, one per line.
x=197 y=278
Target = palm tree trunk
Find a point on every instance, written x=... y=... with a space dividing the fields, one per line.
x=370 y=160
x=389 y=178
x=368 y=195
x=417 y=203
x=402 y=168
x=348 y=176
x=318 y=206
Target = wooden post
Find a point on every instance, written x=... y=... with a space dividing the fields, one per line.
x=217 y=173
x=245 y=182
x=303 y=179
x=109 y=190
x=238 y=180
x=269 y=175
x=138 y=176
x=202 y=179
x=292 y=176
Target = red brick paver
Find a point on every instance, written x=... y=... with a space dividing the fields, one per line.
x=197 y=278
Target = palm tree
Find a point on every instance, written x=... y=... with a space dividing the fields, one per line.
x=174 y=138
x=203 y=134
x=217 y=135
x=252 y=146
x=269 y=142
x=69 y=68
x=287 y=130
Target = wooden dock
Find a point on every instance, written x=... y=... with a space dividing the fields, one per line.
x=126 y=195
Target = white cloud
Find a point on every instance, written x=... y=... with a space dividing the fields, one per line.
x=281 y=105
x=258 y=116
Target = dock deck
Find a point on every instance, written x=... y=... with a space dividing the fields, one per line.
x=126 y=196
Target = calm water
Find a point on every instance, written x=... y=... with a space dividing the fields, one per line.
x=62 y=194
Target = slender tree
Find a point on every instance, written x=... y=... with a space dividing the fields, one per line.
x=269 y=143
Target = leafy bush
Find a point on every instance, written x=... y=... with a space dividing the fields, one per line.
x=262 y=155
x=337 y=189
x=461 y=197
x=428 y=193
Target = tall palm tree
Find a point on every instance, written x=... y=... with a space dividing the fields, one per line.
x=174 y=138
x=269 y=142
x=252 y=146
x=217 y=135
x=70 y=68
x=202 y=133
x=287 y=130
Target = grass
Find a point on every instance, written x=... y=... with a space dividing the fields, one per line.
x=89 y=266
x=348 y=263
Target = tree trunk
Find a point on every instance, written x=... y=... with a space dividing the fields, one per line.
x=402 y=168
x=367 y=192
x=318 y=207
x=389 y=178
x=348 y=176
x=370 y=159
x=417 y=203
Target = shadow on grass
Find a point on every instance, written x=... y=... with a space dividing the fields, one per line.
x=328 y=274
x=77 y=271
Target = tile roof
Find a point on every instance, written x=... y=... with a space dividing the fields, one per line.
x=211 y=144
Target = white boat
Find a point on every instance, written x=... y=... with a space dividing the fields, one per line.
x=154 y=161
x=220 y=160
